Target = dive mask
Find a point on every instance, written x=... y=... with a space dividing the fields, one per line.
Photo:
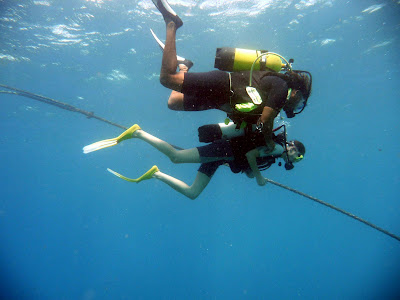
x=305 y=94
x=291 y=157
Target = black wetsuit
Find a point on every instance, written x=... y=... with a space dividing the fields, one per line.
x=211 y=90
x=232 y=152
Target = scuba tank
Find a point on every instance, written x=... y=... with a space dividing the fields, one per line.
x=221 y=131
x=237 y=59
x=213 y=132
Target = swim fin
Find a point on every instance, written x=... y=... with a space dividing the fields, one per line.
x=168 y=13
x=145 y=176
x=127 y=134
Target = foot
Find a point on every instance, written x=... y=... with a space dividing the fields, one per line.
x=168 y=13
x=185 y=65
x=128 y=134
x=149 y=174
x=146 y=176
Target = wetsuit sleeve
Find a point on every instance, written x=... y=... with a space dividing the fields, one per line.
x=277 y=89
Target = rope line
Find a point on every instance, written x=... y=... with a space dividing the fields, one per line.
x=62 y=105
x=58 y=104
x=334 y=208
x=90 y=115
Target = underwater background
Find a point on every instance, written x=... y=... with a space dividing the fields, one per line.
x=71 y=230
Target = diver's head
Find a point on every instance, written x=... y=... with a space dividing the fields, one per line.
x=301 y=83
x=295 y=153
x=306 y=83
x=295 y=103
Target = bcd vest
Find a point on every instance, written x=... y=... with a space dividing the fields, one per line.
x=240 y=98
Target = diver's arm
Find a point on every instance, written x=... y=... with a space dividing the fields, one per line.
x=249 y=173
x=251 y=158
x=267 y=119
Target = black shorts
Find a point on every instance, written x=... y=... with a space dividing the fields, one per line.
x=221 y=149
x=207 y=90
x=209 y=169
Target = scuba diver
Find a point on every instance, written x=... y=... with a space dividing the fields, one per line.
x=249 y=95
x=247 y=154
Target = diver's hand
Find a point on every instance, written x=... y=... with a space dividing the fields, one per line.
x=261 y=181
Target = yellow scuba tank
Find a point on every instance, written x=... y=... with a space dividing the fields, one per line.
x=237 y=59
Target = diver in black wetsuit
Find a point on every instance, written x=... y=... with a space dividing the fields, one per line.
x=227 y=91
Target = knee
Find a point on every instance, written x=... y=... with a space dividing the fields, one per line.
x=175 y=158
x=193 y=196
x=193 y=192
x=164 y=79
x=167 y=80
x=173 y=104
x=175 y=101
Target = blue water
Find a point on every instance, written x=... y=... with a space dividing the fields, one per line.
x=71 y=230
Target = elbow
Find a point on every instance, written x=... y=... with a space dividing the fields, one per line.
x=252 y=154
x=270 y=145
x=166 y=80
x=192 y=193
x=163 y=80
x=192 y=197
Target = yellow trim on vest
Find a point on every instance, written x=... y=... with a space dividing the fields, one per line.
x=289 y=93
x=245 y=107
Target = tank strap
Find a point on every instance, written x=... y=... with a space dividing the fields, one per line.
x=263 y=60
x=230 y=87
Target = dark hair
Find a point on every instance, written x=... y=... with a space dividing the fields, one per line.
x=300 y=147
x=296 y=79
x=301 y=81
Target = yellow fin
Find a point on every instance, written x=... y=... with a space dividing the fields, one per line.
x=148 y=175
x=127 y=134
x=99 y=145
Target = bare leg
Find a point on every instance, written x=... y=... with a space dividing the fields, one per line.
x=168 y=75
x=176 y=156
x=192 y=191
x=175 y=101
